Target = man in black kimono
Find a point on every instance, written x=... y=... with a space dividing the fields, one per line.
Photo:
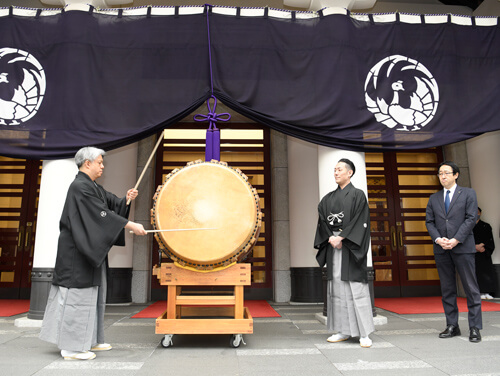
x=342 y=239
x=92 y=222
x=485 y=245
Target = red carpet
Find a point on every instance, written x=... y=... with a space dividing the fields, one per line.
x=12 y=307
x=257 y=308
x=433 y=304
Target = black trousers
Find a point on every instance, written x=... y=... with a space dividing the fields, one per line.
x=448 y=264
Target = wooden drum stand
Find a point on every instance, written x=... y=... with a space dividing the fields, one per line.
x=204 y=314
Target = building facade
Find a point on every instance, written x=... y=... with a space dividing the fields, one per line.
x=297 y=175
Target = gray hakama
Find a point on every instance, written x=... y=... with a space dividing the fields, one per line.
x=349 y=306
x=92 y=221
x=74 y=318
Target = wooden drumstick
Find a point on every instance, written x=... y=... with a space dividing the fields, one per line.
x=178 y=229
x=147 y=163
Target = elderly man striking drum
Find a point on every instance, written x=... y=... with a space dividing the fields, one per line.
x=92 y=222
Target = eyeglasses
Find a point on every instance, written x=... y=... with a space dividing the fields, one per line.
x=445 y=173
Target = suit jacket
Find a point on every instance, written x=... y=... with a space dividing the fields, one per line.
x=458 y=223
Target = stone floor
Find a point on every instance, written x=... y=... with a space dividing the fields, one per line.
x=294 y=344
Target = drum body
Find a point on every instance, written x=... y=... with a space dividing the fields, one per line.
x=212 y=196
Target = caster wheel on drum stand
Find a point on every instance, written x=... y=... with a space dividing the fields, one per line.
x=236 y=340
x=167 y=340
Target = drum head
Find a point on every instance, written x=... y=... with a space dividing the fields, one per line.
x=212 y=196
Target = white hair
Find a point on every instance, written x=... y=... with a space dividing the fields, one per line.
x=88 y=153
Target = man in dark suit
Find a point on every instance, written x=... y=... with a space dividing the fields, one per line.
x=450 y=219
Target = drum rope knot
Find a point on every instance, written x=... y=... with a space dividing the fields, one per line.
x=212 y=143
x=212 y=117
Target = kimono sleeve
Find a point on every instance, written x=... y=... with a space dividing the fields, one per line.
x=120 y=207
x=94 y=227
x=357 y=233
x=323 y=233
x=483 y=233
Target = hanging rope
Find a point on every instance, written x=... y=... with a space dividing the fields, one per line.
x=212 y=143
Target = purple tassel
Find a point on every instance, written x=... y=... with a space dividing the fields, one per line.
x=208 y=145
x=215 y=144
x=212 y=145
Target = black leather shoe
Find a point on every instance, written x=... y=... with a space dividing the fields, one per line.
x=450 y=331
x=474 y=335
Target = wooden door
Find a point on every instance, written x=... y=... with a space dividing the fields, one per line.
x=19 y=189
x=399 y=186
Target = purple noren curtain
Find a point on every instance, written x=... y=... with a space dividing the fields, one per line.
x=87 y=78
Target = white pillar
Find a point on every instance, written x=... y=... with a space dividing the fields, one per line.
x=303 y=196
x=327 y=159
x=57 y=175
x=484 y=168
x=119 y=175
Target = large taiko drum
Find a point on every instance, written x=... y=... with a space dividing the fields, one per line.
x=210 y=196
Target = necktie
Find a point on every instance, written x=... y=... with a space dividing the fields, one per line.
x=447 y=201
